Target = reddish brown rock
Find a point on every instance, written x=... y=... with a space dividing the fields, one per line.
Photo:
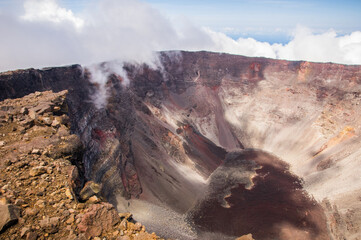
x=98 y=219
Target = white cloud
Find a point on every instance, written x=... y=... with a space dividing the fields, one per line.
x=243 y=46
x=49 y=10
x=125 y=29
x=305 y=45
x=325 y=47
x=47 y=34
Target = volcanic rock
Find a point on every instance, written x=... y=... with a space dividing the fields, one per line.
x=99 y=218
x=9 y=215
x=40 y=171
x=36 y=171
x=90 y=189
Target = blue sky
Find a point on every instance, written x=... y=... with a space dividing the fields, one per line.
x=266 y=20
x=272 y=21
x=38 y=33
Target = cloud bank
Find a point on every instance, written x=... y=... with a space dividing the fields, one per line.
x=44 y=33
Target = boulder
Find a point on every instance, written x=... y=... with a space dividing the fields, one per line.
x=90 y=189
x=9 y=215
x=99 y=218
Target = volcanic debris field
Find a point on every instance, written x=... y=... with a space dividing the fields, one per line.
x=204 y=146
x=41 y=178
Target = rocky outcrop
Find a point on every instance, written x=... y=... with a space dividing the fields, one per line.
x=42 y=174
x=15 y=84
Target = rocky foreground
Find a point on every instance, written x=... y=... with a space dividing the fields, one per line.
x=41 y=188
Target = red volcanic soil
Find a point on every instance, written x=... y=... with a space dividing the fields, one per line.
x=275 y=207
